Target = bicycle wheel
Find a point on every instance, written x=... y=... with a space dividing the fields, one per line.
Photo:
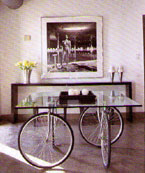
x=89 y=125
x=105 y=141
x=45 y=140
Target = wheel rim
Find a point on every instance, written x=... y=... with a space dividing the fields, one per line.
x=116 y=124
x=43 y=149
x=105 y=142
x=89 y=125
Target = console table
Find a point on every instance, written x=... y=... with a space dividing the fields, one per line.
x=15 y=86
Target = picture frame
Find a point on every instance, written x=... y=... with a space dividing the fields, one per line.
x=72 y=47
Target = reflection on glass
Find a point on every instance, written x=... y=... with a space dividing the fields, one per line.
x=102 y=99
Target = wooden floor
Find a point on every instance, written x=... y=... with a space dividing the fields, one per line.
x=127 y=153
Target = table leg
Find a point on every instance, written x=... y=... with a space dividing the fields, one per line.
x=14 y=102
x=65 y=114
x=129 y=115
x=14 y=114
x=35 y=111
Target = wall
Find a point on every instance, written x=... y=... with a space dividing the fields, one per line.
x=122 y=38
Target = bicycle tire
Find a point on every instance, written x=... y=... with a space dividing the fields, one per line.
x=105 y=141
x=89 y=125
x=45 y=141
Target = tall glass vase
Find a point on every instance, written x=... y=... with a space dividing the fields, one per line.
x=27 y=75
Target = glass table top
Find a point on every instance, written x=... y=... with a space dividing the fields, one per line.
x=51 y=100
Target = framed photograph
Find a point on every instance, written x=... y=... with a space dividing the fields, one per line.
x=72 y=47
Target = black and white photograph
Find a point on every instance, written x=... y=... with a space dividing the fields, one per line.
x=72 y=46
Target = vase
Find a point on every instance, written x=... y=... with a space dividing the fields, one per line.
x=112 y=74
x=120 y=76
x=27 y=75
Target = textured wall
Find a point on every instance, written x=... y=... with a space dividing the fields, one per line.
x=122 y=38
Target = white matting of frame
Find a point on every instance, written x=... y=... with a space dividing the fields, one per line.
x=85 y=56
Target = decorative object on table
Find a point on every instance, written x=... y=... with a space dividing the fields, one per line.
x=112 y=93
x=89 y=98
x=27 y=102
x=73 y=92
x=112 y=73
x=85 y=91
x=70 y=92
x=121 y=97
x=120 y=72
x=27 y=67
x=27 y=75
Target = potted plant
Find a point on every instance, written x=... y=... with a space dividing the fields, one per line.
x=27 y=67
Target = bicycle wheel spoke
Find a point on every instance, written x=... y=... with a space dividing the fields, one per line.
x=89 y=125
x=92 y=136
x=49 y=144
